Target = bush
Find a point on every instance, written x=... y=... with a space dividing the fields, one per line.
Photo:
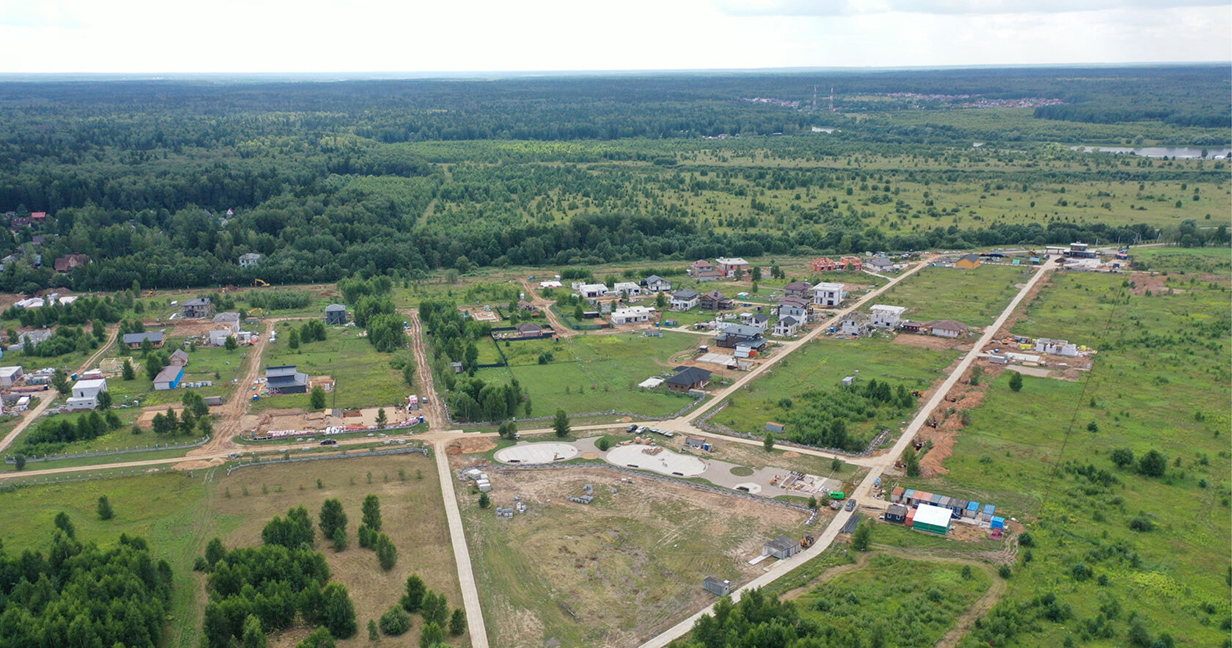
x=386 y=552
x=1005 y=572
x=1153 y=464
x=1122 y=457
x=412 y=600
x=1080 y=572
x=395 y=621
x=1015 y=381
x=1142 y=523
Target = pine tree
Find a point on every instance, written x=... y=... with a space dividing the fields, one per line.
x=372 y=512
x=457 y=622
x=862 y=539
x=128 y=373
x=104 y=509
x=332 y=518
x=561 y=424
x=412 y=600
x=386 y=552
x=339 y=538
x=1015 y=381
x=317 y=399
x=254 y=636
x=338 y=614
x=214 y=552
x=381 y=419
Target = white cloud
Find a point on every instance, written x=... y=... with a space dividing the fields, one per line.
x=943 y=7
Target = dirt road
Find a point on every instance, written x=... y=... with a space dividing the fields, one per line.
x=34 y=414
x=429 y=403
x=231 y=414
x=546 y=306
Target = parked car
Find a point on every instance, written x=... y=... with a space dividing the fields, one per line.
x=330 y=442
x=851 y=504
x=632 y=428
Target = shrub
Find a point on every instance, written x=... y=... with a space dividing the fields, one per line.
x=1153 y=464
x=1005 y=572
x=1080 y=572
x=1122 y=457
x=395 y=621
x=1142 y=523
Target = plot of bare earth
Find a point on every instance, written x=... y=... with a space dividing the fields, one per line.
x=617 y=571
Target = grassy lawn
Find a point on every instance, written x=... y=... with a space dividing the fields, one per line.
x=1216 y=261
x=179 y=515
x=593 y=373
x=1158 y=383
x=916 y=601
x=822 y=364
x=205 y=364
x=612 y=573
x=363 y=377
x=975 y=297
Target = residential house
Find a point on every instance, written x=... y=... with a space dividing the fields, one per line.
x=697 y=443
x=885 y=317
x=792 y=307
x=632 y=315
x=967 y=262
x=688 y=379
x=828 y=294
x=135 y=340
x=758 y=321
x=249 y=260
x=169 y=377
x=627 y=288
x=700 y=265
x=38 y=217
x=529 y=330
x=709 y=275
x=853 y=324
x=67 y=262
x=685 y=299
x=179 y=357
x=230 y=320
x=655 y=283
x=781 y=547
x=85 y=394
x=714 y=301
x=527 y=307
x=591 y=291
x=947 y=328
x=18 y=222
x=197 y=308
x=716 y=586
x=880 y=264
x=336 y=315
x=798 y=289
x=787 y=326
x=31 y=339
x=1056 y=347
x=286 y=379
x=910 y=326
x=729 y=336
x=728 y=267
x=826 y=264
x=9 y=375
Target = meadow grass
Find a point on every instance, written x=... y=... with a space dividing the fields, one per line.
x=362 y=376
x=975 y=297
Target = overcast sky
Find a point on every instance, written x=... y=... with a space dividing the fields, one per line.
x=188 y=36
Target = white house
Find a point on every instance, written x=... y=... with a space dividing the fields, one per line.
x=1056 y=347
x=853 y=324
x=632 y=315
x=886 y=317
x=249 y=260
x=685 y=299
x=591 y=291
x=793 y=308
x=655 y=283
x=629 y=288
x=755 y=320
x=85 y=394
x=947 y=328
x=828 y=294
x=787 y=327
x=550 y=284
x=728 y=266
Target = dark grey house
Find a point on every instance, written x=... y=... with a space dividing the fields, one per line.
x=781 y=547
x=286 y=380
x=335 y=315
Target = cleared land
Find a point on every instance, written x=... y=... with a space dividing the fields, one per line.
x=1044 y=454
x=599 y=372
x=362 y=375
x=614 y=572
x=975 y=297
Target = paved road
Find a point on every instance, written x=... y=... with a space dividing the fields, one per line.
x=862 y=490
x=466 y=576
x=34 y=414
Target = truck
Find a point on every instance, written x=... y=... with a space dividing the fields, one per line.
x=838 y=495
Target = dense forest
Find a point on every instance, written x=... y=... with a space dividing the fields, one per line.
x=170 y=182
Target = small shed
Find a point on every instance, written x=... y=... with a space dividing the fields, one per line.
x=213 y=401
x=781 y=547
x=896 y=494
x=972 y=509
x=897 y=514
x=932 y=519
x=716 y=586
x=695 y=442
x=336 y=315
x=771 y=426
x=179 y=357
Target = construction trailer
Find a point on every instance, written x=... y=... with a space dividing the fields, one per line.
x=932 y=519
x=716 y=586
x=781 y=547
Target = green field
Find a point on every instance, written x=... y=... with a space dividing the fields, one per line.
x=599 y=373
x=1043 y=455
x=1184 y=261
x=205 y=363
x=975 y=297
x=821 y=365
x=915 y=601
x=363 y=376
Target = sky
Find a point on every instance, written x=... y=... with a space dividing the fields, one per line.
x=340 y=36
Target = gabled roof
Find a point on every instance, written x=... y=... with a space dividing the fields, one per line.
x=684 y=294
x=198 y=301
x=947 y=325
x=229 y=317
x=789 y=321
x=689 y=376
x=169 y=373
x=798 y=285
x=528 y=327
x=970 y=257
x=740 y=330
x=759 y=317
x=653 y=279
x=715 y=294
x=181 y=355
x=334 y=308
x=138 y=338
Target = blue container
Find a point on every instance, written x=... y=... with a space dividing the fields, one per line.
x=998 y=523
x=990 y=509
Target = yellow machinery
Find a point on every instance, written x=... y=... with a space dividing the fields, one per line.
x=256 y=312
x=807 y=541
x=260 y=282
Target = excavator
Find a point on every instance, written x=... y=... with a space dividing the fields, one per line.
x=807 y=541
x=260 y=282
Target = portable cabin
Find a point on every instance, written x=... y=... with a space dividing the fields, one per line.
x=998 y=523
x=908 y=495
x=989 y=511
x=944 y=502
x=957 y=506
x=932 y=519
x=935 y=500
x=771 y=426
x=896 y=495
x=716 y=586
x=896 y=513
x=972 y=509
x=910 y=519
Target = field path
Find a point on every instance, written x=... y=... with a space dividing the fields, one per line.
x=461 y=554
x=231 y=414
x=430 y=403
x=876 y=468
x=546 y=306
x=34 y=414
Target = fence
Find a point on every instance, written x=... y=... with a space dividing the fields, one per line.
x=663 y=478
x=10 y=459
x=704 y=423
x=575 y=325
x=14 y=484
x=676 y=414
x=367 y=453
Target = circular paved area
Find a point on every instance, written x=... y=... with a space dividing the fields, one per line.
x=536 y=453
x=666 y=462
